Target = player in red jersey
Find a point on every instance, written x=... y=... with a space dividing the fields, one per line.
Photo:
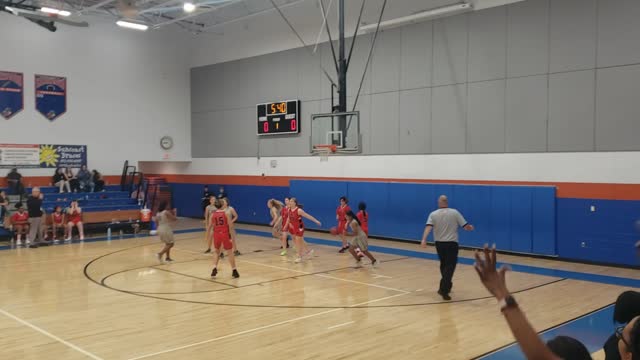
x=58 y=223
x=341 y=213
x=20 y=223
x=363 y=217
x=296 y=227
x=220 y=220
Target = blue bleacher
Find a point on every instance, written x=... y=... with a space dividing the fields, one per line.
x=111 y=199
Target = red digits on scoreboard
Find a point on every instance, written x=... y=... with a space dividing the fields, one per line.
x=293 y=124
x=265 y=127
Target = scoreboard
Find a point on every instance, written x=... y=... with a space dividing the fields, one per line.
x=277 y=118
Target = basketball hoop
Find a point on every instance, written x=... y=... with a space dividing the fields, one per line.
x=324 y=151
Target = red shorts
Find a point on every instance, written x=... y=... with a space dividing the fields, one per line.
x=222 y=240
x=296 y=232
x=342 y=228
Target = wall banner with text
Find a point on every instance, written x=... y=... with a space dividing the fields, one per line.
x=42 y=156
x=51 y=96
x=11 y=93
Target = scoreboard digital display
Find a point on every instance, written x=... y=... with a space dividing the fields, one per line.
x=277 y=118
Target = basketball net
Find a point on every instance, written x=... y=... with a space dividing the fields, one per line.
x=324 y=151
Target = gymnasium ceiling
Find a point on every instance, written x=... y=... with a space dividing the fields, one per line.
x=212 y=15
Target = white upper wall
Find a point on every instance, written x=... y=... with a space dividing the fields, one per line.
x=126 y=90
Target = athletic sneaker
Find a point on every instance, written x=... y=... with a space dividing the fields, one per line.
x=235 y=274
x=19 y=243
x=214 y=272
x=444 y=296
x=169 y=260
x=310 y=253
x=237 y=253
x=283 y=253
x=343 y=249
x=67 y=239
x=298 y=260
x=208 y=251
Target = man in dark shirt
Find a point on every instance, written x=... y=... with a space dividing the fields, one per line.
x=34 y=207
x=222 y=193
x=14 y=180
x=205 y=198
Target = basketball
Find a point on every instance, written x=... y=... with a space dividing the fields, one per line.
x=333 y=231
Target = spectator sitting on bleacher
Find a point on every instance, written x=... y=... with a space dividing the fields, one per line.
x=84 y=178
x=72 y=179
x=20 y=223
x=4 y=202
x=14 y=180
x=75 y=219
x=97 y=181
x=60 y=180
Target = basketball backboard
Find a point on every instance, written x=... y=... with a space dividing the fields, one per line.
x=341 y=129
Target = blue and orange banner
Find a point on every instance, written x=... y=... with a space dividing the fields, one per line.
x=51 y=96
x=11 y=93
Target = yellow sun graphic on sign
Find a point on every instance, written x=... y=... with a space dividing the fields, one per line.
x=48 y=155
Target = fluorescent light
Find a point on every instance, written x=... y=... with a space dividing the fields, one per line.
x=12 y=10
x=55 y=11
x=132 y=25
x=421 y=16
x=188 y=7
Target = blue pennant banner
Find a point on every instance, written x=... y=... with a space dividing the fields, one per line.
x=11 y=93
x=51 y=96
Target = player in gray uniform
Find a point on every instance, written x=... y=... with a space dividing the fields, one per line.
x=359 y=240
x=164 y=218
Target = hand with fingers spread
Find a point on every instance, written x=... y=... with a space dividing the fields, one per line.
x=493 y=279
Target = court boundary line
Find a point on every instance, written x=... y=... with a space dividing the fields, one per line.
x=49 y=335
x=102 y=284
x=256 y=329
x=194 y=277
x=104 y=279
x=554 y=327
x=529 y=269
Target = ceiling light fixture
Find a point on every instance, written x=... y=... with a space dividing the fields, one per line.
x=55 y=11
x=417 y=17
x=189 y=7
x=132 y=25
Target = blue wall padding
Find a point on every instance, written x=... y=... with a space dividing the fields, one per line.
x=516 y=218
x=249 y=201
x=500 y=217
x=320 y=199
x=604 y=235
x=521 y=219
x=544 y=221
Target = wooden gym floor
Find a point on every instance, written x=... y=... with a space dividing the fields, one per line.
x=112 y=300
